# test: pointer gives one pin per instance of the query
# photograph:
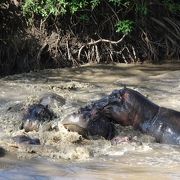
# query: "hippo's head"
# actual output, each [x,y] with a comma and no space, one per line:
[96,118]
[129,107]
[120,106]
[41,112]
[88,126]
[35,114]
[90,121]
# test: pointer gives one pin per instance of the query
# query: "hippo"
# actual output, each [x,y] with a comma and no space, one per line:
[35,115]
[99,126]
[41,112]
[24,139]
[90,122]
[128,107]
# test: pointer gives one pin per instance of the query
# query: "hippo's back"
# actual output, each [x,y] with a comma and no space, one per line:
[168,126]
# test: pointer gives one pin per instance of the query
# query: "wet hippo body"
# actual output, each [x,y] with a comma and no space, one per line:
[23,139]
[89,121]
[90,128]
[52,100]
[105,128]
[165,126]
[41,112]
[136,110]
[34,116]
[129,107]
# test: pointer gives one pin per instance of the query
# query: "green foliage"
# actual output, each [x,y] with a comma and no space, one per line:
[75,5]
[44,7]
[60,7]
[124,26]
[84,18]
[120,2]
[142,8]
[95,3]
[55,7]
[173,7]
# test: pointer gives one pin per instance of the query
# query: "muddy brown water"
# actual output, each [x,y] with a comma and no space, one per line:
[65,155]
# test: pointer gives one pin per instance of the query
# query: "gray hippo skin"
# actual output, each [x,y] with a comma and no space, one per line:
[35,115]
[23,139]
[129,107]
[136,110]
[41,112]
[89,121]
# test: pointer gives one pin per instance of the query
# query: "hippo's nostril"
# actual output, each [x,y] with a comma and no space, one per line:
[30,125]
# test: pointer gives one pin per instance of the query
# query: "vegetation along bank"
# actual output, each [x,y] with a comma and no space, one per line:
[38,34]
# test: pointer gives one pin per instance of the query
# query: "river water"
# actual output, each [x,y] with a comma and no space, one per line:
[66,155]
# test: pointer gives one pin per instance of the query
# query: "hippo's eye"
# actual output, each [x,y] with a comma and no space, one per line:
[39,112]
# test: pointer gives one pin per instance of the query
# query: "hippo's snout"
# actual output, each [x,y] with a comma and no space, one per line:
[30,125]
[88,127]
[76,122]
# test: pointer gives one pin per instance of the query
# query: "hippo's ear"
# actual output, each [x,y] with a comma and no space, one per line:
[124,94]
[124,86]
[122,91]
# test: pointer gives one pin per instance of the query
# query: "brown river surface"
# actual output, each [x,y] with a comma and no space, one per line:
[66,155]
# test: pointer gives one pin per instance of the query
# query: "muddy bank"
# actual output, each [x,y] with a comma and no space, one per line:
[40,35]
